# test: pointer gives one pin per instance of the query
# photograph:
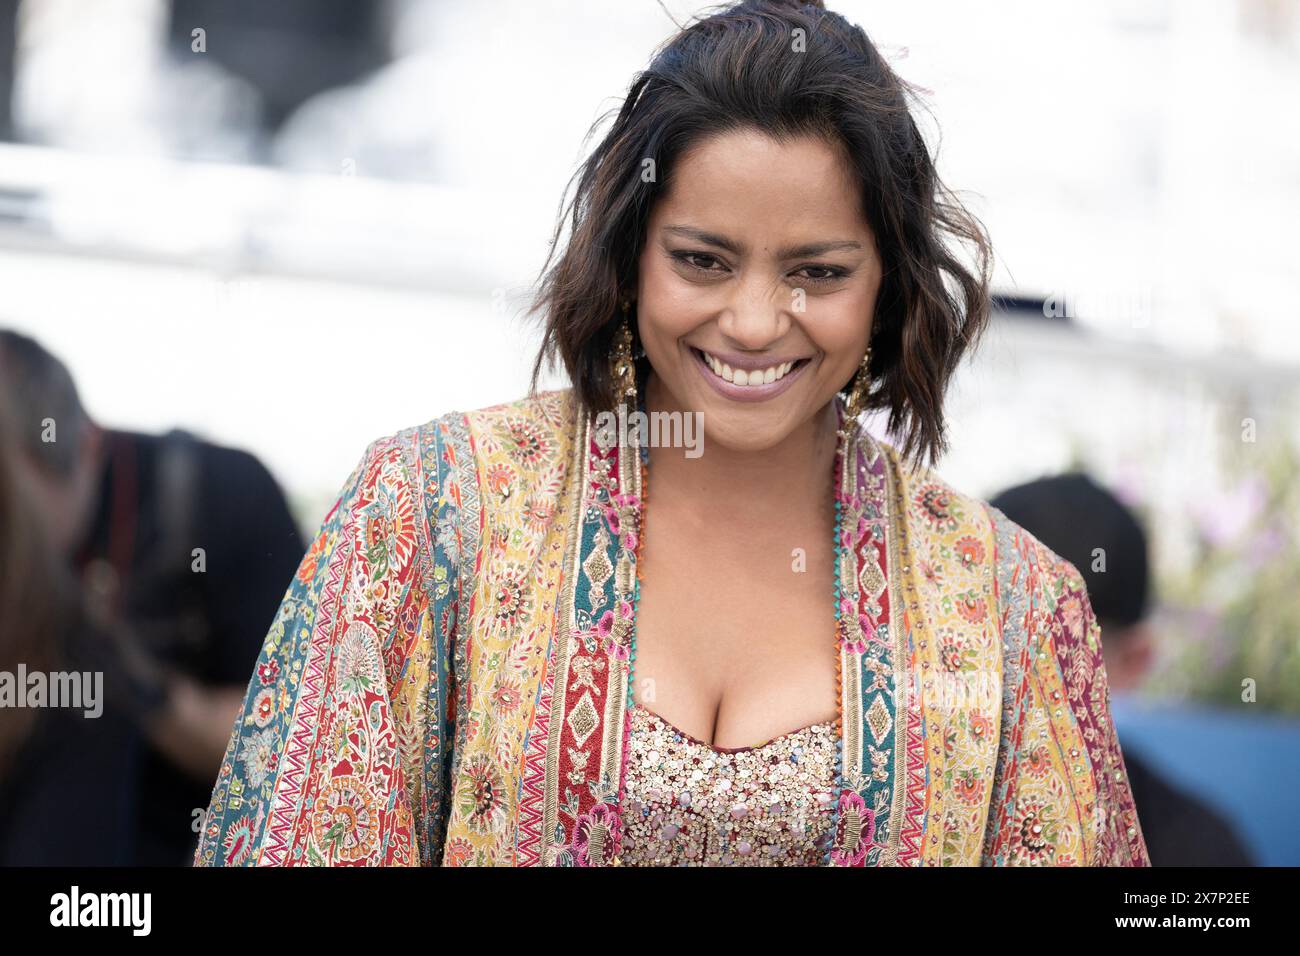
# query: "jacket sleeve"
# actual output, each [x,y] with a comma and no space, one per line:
[1061,794]
[340,756]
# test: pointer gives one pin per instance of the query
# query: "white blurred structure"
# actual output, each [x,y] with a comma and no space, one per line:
[1135,161]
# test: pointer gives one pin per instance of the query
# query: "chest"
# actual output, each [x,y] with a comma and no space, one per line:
[735,627]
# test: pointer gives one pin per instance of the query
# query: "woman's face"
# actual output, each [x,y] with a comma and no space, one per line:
[757,285]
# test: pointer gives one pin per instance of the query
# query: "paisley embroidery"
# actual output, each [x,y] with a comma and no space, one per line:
[447,677]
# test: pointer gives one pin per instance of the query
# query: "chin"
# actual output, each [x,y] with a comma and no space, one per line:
[746,432]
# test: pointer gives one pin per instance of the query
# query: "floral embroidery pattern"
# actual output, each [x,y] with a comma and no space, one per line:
[339,757]
[408,705]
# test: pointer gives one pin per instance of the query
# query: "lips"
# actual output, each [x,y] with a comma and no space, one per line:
[748,377]
[748,383]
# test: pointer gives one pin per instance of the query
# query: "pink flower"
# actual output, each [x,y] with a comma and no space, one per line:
[596,836]
[615,631]
[855,828]
[856,646]
[620,506]
[612,519]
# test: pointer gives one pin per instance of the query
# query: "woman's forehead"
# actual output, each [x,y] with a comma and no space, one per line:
[747,181]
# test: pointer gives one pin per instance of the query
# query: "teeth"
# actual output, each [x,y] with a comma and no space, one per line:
[762,376]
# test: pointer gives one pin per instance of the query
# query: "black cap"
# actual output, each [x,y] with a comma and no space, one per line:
[1074,516]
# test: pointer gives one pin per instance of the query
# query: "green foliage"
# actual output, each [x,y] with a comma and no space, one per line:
[1234,614]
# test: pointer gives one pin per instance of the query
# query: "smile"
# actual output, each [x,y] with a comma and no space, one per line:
[757,376]
[747,384]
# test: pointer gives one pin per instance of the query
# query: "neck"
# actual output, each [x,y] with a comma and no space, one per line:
[791,475]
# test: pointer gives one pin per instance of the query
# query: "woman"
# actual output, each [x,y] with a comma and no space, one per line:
[530,635]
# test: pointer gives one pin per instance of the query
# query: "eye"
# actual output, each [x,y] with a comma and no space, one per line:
[821,274]
[699,261]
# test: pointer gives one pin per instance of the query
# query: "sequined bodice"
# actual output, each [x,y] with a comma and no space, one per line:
[691,804]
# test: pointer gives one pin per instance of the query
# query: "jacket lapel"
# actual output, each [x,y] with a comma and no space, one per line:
[583,706]
[872,657]
[585,692]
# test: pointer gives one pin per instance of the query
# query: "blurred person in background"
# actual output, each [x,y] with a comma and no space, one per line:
[178,551]
[1084,523]
[67,782]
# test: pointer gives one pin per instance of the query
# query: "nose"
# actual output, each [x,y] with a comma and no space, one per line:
[757,315]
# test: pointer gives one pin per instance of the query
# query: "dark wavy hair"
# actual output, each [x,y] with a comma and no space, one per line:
[784,69]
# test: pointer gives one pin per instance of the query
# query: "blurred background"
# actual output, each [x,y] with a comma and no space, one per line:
[290,228]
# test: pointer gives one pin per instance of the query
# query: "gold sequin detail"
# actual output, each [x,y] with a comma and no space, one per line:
[690,804]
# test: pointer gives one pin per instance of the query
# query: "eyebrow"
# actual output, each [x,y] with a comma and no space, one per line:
[806,250]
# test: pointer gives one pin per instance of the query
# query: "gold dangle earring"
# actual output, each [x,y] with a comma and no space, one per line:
[856,403]
[622,369]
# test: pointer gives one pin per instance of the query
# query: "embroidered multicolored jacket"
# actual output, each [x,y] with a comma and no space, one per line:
[446,680]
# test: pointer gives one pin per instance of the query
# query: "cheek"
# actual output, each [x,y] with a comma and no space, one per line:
[842,328]
[666,307]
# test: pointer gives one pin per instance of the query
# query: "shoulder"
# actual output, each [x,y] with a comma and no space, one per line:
[533,425]
[978,535]
[528,435]
[932,502]
[551,409]
[437,478]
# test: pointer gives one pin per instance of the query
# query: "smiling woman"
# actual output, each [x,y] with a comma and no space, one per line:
[810,649]
[775,295]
